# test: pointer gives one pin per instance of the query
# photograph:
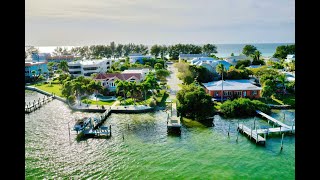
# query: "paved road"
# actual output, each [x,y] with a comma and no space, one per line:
[173,81]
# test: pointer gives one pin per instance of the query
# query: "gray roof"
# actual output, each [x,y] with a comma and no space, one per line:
[233,85]
[193,55]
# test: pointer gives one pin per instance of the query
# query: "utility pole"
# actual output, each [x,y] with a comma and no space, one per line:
[222,85]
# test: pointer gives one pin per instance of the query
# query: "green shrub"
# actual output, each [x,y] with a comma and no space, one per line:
[71,98]
[243,107]
[152,103]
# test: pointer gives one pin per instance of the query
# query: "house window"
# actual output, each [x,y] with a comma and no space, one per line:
[254,92]
[216,94]
[227,93]
[238,93]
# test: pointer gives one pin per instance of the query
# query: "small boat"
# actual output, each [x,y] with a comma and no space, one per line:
[80,124]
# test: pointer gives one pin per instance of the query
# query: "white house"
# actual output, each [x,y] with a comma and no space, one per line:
[210,63]
[143,72]
[107,80]
[201,59]
[88,67]
[290,58]
[234,59]
[189,57]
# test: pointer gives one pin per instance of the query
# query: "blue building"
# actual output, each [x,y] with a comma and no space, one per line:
[133,58]
[30,66]
[40,57]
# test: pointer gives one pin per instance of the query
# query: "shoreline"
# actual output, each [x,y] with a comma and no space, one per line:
[129,109]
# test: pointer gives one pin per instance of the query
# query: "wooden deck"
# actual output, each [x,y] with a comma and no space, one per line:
[252,134]
[273,120]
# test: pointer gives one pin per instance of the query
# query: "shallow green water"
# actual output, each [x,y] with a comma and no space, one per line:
[147,152]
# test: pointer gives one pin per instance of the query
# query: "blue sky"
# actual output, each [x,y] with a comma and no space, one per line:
[87,22]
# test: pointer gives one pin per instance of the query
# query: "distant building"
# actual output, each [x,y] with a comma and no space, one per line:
[189,57]
[133,58]
[143,72]
[210,63]
[40,57]
[290,58]
[272,59]
[58,59]
[234,59]
[88,67]
[30,66]
[254,66]
[108,79]
[232,89]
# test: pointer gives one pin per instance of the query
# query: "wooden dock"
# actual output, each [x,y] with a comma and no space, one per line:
[173,121]
[32,106]
[102,131]
[92,126]
[273,120]
[275,130]
[252,134]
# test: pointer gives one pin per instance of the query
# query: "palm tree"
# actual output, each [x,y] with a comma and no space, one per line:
[220,69]
[63,65]
[39,71]
[145,86]
[133,89]
[120,86]
[283,79]
[33,72]
[257,55]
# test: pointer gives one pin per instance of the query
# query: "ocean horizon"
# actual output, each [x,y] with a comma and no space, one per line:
[224,50]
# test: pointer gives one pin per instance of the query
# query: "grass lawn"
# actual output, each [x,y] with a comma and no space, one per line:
[160,98]
[192,123]
[288,99]
[92,102]
[130,101]
[53,88]
[217,106]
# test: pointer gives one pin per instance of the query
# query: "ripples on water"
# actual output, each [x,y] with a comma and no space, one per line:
[147,152]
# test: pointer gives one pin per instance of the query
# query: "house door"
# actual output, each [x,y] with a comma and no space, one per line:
[244,93]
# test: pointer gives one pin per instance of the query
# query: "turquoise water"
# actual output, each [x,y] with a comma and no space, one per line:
[147,152]
[267,49]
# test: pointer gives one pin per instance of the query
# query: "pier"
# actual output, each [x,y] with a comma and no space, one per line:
[272,119]
[32,106]
[254,133]
[173,121]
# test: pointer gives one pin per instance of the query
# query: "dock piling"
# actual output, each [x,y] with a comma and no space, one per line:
[282,142]
[237,136]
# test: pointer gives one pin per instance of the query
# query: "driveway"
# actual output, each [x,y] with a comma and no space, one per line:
[173,81]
